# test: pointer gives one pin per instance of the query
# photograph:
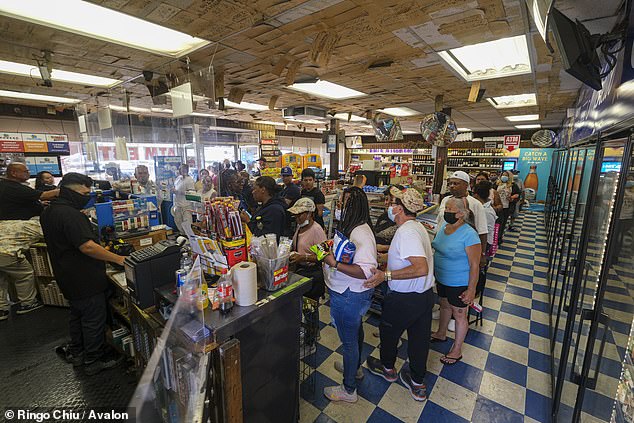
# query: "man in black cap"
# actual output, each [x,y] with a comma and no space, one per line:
[80,270]
[17,200]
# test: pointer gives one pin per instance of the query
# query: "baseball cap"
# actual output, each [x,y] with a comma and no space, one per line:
[302,205]
[459,174]
[411,199]
[286,171]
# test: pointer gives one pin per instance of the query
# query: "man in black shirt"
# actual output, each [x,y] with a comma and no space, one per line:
[17,200]
[79,266]
[311,191]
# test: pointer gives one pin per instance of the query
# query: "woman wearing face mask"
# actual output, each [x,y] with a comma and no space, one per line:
[270,218]
[385,227]
[509,194]
[456,268]
[494,196]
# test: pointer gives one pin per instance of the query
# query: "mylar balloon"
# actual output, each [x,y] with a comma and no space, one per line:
[438,129]
[544,138]
[387,129]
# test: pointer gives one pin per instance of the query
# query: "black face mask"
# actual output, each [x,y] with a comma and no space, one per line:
[450,218]
[79,201]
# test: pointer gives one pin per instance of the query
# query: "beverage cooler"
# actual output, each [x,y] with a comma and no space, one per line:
[589,217]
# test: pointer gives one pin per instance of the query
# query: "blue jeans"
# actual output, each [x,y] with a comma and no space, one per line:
[346,311]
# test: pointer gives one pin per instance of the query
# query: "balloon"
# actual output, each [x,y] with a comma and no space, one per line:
[387,129]
[438,129]
[544,138]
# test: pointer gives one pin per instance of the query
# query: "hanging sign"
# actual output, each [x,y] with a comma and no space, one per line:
[511,142]
[34,143]
[11,142]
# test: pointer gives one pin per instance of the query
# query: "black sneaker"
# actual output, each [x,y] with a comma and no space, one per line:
[4,314]
[418,392]
[106,361]
[375,366]
[63,351]
[29,308]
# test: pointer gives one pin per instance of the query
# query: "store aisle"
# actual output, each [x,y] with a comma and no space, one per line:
[505,372]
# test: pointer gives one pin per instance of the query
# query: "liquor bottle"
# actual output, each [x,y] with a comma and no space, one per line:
[532,181]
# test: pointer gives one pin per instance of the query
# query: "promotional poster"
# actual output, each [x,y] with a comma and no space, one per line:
[534,167]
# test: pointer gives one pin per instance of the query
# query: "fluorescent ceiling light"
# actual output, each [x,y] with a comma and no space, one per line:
[399,111]
[202,114]
[90,20]
[493,59]
[508,101]
[326,89]
[409,132]
[529,126]
[464,130]
[33,71]
[38,97]
[269,122]
[246,106]
[521,118]
[353,118]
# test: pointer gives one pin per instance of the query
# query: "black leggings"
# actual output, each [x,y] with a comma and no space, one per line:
[502,220]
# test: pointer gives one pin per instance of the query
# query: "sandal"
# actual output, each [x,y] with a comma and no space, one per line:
[433,340]
[444,360]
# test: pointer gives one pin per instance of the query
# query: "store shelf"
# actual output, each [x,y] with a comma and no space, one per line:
[475,168]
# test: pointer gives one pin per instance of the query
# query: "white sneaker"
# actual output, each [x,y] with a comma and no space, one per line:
[435,314]
[452,326]
[339,393]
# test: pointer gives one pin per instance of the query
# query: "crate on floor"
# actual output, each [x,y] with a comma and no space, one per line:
[40,260]
[51,294]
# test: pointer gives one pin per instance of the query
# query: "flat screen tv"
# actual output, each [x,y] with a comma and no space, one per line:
[577,48]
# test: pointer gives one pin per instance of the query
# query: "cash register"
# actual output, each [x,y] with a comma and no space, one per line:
[150,268]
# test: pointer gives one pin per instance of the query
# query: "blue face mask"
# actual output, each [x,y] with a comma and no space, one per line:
[504,179]
[390,213]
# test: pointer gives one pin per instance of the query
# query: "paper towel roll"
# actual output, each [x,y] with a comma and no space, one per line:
[245,283]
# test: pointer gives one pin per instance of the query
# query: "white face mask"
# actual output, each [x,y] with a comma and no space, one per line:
[303,224]
[338,214]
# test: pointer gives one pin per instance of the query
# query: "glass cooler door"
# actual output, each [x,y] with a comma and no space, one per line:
[586,384]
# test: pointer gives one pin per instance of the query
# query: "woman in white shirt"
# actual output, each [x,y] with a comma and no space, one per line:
[349,299]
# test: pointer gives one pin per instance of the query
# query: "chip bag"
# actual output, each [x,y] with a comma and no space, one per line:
[322,249]
[344,249]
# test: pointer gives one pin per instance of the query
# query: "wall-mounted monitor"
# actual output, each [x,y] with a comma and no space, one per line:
[610,167]
[509,164]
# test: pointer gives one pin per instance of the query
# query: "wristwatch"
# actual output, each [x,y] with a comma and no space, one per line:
[388,276]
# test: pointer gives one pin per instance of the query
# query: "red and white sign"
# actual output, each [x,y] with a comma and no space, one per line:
[511,142]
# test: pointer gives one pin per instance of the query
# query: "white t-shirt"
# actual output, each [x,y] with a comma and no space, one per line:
[491,218]
[365,257]
[181,186]
[476,208]
[410,240]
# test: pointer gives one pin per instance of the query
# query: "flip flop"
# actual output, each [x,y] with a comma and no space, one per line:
[455,360]
[434,340]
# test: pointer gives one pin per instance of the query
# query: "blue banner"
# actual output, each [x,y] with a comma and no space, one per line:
[534,166]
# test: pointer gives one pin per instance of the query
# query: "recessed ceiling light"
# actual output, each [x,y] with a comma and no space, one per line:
[521,118]
[529,126]
[353,118]
[38,97]
[33,71]
[326,89]
[493,59]
[464,130]
[246,106]
[90,20]
[399,111]
[269,122]
[508,101]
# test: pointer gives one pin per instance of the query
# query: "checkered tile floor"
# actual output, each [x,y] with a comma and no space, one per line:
[505,372]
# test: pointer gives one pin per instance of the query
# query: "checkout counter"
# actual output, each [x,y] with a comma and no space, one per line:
[207,366]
